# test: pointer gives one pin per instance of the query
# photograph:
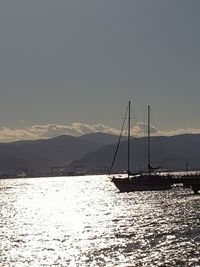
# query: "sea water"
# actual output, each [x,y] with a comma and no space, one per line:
[85,221]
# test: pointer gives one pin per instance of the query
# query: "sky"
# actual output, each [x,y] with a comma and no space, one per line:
[71,66]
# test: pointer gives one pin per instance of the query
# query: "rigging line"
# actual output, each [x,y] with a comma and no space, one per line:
[160,140]
[117,148]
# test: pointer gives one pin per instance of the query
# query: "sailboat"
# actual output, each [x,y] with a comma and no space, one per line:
[150,180]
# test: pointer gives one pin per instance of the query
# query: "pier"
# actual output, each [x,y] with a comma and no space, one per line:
[188,180]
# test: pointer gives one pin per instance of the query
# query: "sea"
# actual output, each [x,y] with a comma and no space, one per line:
[85,221]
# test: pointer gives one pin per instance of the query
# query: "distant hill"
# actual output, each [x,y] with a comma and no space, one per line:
[101,138]
[41,155]
[94,153]
[167,152]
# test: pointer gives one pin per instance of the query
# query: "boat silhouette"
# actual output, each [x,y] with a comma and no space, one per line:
[150,180]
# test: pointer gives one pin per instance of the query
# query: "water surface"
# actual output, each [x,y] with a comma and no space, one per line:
[84,221]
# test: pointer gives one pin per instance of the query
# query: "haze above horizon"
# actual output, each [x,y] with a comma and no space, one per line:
[70,67]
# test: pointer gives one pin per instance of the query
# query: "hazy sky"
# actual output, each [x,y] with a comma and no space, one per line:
[66,61]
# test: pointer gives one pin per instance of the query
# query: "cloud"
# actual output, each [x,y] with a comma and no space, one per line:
[76,129]
[178,132]
[52,130]
[142,128]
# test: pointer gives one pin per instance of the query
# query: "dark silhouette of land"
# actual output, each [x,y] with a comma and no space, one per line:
[171,153]
[93,153]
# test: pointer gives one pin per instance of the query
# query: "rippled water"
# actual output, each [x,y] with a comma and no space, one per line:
[84,221]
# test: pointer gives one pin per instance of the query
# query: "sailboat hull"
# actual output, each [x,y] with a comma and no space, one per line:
[143,183]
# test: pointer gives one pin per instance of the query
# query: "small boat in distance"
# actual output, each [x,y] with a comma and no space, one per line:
[150,180]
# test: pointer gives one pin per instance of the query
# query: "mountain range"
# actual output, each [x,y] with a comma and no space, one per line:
[172,153]
[93,153]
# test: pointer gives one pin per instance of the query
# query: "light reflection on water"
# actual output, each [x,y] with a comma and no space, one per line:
[84,221]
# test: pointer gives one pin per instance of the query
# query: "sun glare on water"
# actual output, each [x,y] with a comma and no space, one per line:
[84,221]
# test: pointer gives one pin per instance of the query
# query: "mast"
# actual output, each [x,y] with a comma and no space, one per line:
[129,130]
[148,141]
